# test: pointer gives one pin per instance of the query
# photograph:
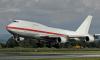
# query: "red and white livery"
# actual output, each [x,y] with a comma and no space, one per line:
[32,29]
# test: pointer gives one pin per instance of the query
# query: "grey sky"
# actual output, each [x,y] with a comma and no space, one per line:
[65,14]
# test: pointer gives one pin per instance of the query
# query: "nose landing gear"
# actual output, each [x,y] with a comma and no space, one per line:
[11,43]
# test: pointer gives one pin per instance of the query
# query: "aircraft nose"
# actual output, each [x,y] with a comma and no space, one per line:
[7,27]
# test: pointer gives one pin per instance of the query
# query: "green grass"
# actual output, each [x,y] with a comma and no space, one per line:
[48,50]
[69,59]
[30,51]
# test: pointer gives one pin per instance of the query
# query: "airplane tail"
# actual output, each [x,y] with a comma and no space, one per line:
[84,27]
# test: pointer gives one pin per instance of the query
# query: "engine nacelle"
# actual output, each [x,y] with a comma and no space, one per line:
[89,38]
[18,38]
[63,39]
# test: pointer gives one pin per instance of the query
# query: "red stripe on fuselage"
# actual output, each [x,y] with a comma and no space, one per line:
[28,29]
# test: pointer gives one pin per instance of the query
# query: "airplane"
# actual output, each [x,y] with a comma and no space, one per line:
[22,28]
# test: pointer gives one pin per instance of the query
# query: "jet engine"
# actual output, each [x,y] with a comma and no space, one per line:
[62,39]
[89,38]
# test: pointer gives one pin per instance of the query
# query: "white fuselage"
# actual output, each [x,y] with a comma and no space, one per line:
[33,29]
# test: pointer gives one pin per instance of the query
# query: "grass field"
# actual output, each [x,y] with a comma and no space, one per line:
[49,50]
[69,59]
[31,51]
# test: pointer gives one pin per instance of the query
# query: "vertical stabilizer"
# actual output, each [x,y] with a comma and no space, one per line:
[84,27]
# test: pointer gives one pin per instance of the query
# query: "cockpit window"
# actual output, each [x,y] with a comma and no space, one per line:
[15,21]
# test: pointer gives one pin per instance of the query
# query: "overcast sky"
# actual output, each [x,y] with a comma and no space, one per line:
[65,14]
